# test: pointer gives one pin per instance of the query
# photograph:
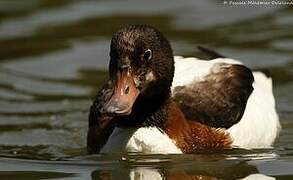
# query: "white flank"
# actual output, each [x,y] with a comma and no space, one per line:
[259,125]
[149,140]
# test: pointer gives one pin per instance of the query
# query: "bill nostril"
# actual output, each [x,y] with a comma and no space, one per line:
[126,91]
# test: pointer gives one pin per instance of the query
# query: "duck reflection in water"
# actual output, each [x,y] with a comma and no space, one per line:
[232,171]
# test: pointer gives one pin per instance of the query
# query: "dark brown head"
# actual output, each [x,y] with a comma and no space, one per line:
[141,66]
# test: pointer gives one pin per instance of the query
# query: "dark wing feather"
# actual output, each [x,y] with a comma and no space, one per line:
[219,100]
[100,126]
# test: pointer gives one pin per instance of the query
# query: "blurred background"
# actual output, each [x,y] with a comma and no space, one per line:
[54,56]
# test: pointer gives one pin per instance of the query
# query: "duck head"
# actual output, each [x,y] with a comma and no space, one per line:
[141,67]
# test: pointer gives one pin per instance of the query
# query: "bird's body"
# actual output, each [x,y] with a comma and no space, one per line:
[161,104]
[259,125]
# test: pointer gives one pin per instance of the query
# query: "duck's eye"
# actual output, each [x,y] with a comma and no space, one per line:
[147,54]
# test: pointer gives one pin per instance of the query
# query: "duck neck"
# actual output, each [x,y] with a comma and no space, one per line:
[147,112]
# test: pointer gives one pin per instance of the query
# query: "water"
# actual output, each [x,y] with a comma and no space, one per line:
[54,55]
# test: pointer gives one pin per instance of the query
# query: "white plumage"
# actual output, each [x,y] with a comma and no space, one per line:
[149,140]
[260,124]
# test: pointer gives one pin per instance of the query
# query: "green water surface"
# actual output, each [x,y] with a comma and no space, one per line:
[54,56]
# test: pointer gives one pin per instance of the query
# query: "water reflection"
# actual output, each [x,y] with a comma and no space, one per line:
[204,166]
[234,171]
[237,165]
